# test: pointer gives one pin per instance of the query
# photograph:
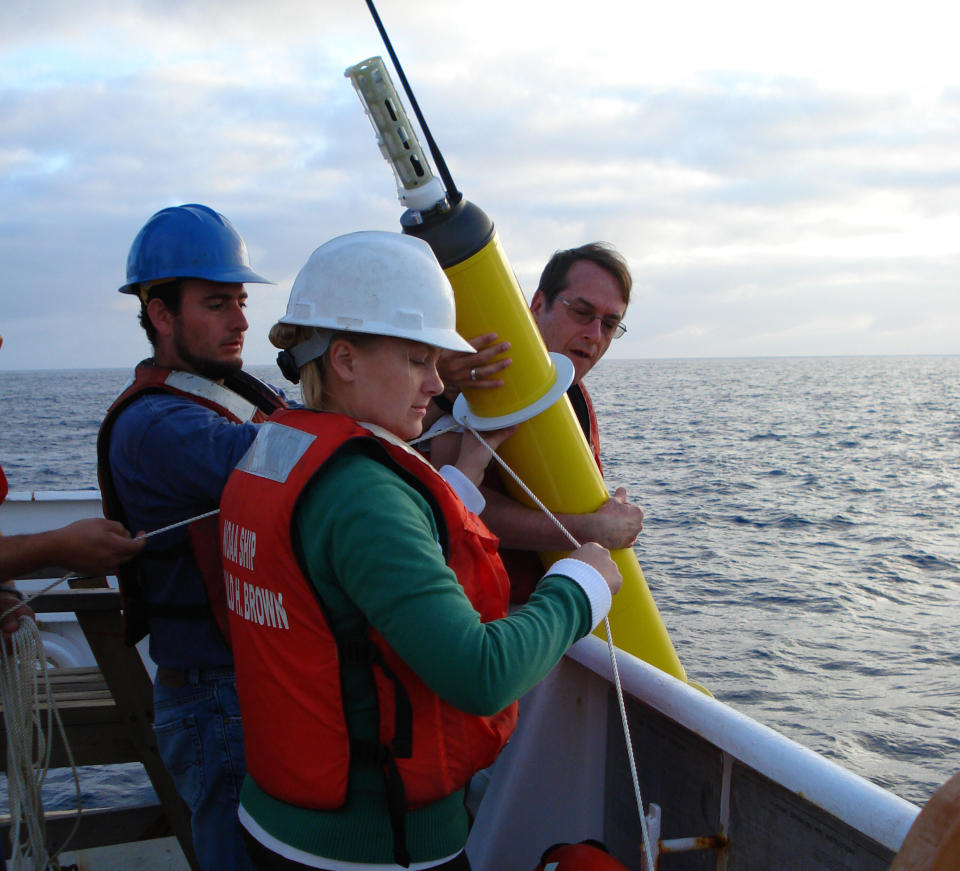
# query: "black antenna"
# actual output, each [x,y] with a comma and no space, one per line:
[453,195]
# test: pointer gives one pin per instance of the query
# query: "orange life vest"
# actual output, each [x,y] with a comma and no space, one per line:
[241,398]
[594,435]
[286,653]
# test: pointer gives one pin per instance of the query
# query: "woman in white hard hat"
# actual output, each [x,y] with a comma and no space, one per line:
[376,664]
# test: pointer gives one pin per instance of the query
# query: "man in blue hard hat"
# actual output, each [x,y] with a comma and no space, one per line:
[165,450]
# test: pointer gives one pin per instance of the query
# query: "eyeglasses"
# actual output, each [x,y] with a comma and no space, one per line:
[611,326]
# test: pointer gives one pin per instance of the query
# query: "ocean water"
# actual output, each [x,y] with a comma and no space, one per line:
[800,536]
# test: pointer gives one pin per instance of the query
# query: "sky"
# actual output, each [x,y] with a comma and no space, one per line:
[783,179]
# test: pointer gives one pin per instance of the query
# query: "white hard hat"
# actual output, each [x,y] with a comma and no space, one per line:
[386,284]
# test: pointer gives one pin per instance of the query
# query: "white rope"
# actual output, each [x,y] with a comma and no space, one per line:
[431,434]
[23,670]
[176,525]
[610,648]
[67,577]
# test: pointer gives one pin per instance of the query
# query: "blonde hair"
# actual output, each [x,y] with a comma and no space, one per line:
[284,337]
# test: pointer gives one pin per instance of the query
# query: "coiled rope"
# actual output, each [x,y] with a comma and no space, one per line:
[23,671]
[648,849]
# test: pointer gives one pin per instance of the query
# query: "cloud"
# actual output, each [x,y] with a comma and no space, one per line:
[750,167]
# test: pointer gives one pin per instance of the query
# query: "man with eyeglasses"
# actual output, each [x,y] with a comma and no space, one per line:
[578,307]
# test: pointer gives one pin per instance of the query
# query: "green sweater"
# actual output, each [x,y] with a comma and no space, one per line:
[371,545]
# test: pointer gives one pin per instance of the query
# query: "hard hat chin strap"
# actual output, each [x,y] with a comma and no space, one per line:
[294,359]
[312,348]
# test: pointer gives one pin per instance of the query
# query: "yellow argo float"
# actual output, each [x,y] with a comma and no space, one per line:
[548,452]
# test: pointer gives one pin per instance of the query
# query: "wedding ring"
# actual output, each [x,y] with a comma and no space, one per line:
[473,374]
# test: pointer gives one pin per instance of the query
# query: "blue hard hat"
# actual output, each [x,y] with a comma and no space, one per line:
[190,241]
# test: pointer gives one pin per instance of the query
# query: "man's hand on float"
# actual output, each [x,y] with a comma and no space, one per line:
[615,524]
[462,369]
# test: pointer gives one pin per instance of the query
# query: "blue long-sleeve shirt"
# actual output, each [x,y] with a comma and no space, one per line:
[170,458]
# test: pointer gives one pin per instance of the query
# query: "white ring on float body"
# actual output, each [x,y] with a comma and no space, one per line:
[565,372]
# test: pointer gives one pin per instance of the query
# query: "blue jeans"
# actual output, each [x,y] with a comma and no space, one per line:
[200,741]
